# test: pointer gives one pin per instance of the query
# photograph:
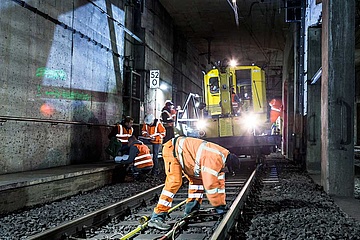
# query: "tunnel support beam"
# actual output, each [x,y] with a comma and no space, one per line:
[337,97]
[313,151]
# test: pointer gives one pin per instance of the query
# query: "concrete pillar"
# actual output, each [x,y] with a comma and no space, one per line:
[288,93]
[337,97]
[313,151]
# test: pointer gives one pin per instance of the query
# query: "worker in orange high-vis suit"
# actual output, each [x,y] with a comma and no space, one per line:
[139,156]
[153,132]
[235,100]
[202,163]
[122,131]
[276,109]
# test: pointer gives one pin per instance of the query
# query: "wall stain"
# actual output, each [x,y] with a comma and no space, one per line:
[51,73]
[64,94]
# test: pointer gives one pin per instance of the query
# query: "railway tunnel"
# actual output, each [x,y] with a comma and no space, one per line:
[73,69]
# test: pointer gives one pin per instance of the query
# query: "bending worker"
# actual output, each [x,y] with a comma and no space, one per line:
[202,163]
[139,156]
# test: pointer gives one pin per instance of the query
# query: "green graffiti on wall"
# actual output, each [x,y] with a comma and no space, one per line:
[65,94]
[51,73]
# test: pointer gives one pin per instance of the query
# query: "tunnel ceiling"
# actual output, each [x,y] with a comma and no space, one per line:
[258,38]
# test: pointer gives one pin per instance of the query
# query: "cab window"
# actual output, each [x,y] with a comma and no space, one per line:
[214,85]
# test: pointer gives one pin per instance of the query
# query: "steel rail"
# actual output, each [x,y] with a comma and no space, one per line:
[97,217]
[145,223]
[228,220]
[178,227]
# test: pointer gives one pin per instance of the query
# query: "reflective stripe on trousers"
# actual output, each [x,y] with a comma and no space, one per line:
[173,180]
[196,190]
[214,187]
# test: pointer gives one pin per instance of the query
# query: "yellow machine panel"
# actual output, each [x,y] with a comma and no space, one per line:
[235,111]
[246,82]
[225,127]
[238,129]
[212,128]
[250,85]
[212,89]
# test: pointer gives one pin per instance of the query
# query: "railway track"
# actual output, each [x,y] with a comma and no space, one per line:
[128,219]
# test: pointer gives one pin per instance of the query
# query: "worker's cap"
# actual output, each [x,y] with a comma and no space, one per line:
[149,119]
[169,102]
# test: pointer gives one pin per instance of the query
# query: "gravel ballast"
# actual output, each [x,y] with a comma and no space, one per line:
[297,208]
[292,208]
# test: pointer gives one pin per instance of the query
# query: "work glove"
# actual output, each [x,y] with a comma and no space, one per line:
[221,209]
[121,158]
[191,206]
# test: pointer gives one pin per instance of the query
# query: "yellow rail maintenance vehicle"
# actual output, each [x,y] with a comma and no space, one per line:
[235,112]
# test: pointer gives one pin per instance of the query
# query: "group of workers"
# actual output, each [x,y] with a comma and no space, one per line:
[154,132]
[203,163]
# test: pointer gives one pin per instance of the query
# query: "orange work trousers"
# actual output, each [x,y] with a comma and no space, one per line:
[173,182]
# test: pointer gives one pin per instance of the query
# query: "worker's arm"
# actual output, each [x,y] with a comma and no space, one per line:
[133,152]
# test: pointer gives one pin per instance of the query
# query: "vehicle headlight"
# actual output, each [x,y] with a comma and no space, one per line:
[251,121]
[201,124]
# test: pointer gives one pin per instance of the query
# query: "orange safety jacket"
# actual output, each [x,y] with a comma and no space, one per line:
[202,160]
[144,158]
[124,134]
[276,109]
[168,118]
[155,132]
[233,101]
[276,105]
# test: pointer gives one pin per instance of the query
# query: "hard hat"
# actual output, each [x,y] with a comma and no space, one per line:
[169,102]
[149,119]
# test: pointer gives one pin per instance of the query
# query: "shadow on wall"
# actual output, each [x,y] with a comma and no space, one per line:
[86,142]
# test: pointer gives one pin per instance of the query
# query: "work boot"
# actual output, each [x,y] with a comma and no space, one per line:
[191,207]
[159,224]
[221,210]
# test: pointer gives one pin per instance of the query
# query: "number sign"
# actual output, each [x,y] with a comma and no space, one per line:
[154,78]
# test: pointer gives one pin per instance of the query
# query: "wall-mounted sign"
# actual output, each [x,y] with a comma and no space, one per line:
[154,78]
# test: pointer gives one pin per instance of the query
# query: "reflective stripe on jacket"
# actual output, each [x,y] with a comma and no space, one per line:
[168,116]
[124,134]
[156,132]
[205,160]
[276,105]
[196,155]
[144,158]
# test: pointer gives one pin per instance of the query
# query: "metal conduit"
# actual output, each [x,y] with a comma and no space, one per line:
[52,122]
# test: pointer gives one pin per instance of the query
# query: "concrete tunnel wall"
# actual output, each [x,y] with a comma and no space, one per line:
[50,72]
[72,70]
